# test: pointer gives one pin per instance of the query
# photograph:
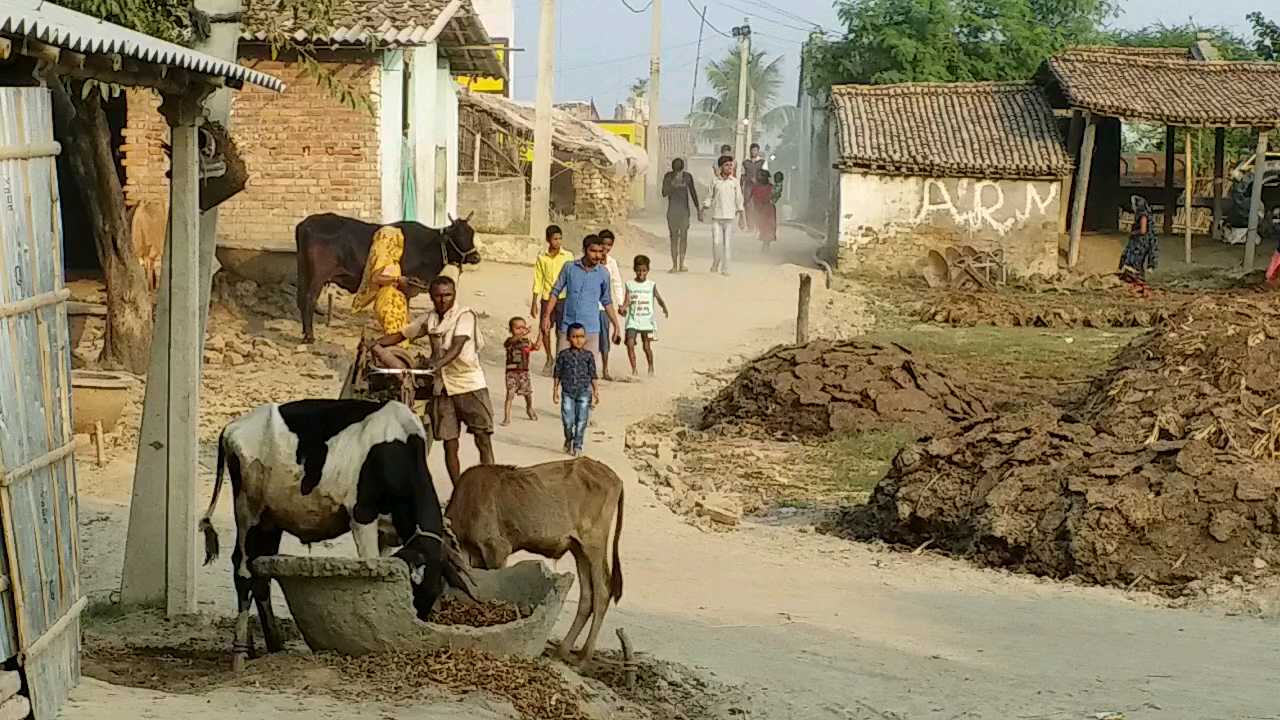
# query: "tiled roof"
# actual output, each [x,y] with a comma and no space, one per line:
[56,25]
[1164,89]
[956,129]
[385,23]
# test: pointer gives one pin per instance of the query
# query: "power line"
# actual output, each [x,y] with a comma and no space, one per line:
[609,61]
[641,10]
[705,20]
[752,14]
[784,13]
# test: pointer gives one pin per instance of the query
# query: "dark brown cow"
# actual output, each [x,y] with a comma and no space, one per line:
[333,249]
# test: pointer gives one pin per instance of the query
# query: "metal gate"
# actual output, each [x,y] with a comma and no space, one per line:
[40,602]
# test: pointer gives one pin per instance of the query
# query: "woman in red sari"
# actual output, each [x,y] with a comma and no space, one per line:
[764,211]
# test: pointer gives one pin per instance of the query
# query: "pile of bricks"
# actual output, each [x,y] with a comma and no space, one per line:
[600,197]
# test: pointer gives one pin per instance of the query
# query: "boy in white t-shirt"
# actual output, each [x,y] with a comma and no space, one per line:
[642,321]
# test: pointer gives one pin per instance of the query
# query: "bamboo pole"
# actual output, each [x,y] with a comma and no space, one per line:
[1081,190]
[802,309]
[1255,201]
[1186,199]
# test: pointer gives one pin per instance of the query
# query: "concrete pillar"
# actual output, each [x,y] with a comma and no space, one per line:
[426,118]
[391,102]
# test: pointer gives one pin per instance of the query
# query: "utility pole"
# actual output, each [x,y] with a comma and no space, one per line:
[653,192]
[743,33]
[697,61]
[750,122]
[540,183]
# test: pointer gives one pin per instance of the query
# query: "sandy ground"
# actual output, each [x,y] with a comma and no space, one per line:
[810,626]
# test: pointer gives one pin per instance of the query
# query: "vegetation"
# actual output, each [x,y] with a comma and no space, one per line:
[715,115]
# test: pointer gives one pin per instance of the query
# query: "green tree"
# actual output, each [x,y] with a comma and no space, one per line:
[1266,36]
[1232,46]
[715,115]
[892,41]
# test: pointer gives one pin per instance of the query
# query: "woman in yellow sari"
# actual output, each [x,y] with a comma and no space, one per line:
[383,285]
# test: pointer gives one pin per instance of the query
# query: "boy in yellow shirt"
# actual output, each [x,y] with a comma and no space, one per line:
[546,270]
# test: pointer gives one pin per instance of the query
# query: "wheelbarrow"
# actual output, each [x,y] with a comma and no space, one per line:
[366,381]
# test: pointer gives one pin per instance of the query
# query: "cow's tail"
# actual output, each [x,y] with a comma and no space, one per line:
[615,578]
[206,523]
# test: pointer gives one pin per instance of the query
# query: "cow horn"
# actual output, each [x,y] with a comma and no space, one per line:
[452,220]
[470,215]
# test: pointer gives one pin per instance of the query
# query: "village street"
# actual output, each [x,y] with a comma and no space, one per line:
[811,626]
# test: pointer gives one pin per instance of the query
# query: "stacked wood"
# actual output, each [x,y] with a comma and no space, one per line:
[852,386]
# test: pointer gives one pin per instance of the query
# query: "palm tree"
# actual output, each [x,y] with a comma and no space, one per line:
[714,116]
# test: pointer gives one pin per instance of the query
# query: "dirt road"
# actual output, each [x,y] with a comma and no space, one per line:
[814,627]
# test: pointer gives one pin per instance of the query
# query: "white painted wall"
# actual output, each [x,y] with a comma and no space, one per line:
[887,222]
[433,124]
[391,99]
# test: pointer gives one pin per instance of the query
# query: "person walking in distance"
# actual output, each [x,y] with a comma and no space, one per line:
[460,395]
[678,187]
[574,388]
[617,288]
[585,286]
[751,168]
[727,209]
[642,321]
[546,269]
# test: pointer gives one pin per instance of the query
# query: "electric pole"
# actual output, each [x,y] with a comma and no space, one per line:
[540,183]
[697,61]
[743,33]
[653,191]
[750,122]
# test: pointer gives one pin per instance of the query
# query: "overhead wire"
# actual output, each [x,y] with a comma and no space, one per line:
[637,11]
[784,13]
[706,21]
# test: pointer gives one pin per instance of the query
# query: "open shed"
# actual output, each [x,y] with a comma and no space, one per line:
[40,594]
[1189,88]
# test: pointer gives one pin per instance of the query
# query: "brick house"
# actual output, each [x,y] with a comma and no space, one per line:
[307,152]
[924,167]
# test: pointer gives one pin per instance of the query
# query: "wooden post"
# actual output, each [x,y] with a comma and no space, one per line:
[1081,189]
[1170,192]
[1074,135]
[802,310]
[1186,198]
[1219,172]
[1255,200]
[475,162]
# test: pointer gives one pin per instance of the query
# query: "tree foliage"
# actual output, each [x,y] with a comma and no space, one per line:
[1160,35]
[1266,36]
[715,115]
[177,21]
[892,41]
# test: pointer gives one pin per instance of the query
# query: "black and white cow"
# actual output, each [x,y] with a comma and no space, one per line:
[317,469]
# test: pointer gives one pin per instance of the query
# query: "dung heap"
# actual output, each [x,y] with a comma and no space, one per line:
[1211,372]
[1168,473]
[821,387]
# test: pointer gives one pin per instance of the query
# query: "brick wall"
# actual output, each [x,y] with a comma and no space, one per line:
[306,152]
[144,159]
[600,197]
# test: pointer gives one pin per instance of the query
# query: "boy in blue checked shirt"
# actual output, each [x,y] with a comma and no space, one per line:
[575,389]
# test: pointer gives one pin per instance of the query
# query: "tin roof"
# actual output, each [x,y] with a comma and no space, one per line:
[982,129]
[1165,88]
[385,23]
[68,29]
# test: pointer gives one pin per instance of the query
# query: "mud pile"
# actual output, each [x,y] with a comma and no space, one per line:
[823,386]
[1211,372]
[1165,475]
[1104,309]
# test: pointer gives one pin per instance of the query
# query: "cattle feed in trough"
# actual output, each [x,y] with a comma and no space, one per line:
[548,509]
[318,469]
[334,249]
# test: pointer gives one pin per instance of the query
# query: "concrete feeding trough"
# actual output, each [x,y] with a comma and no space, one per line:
[354,607]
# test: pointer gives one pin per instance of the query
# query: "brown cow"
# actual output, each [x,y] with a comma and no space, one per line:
[547,509]
[148,221]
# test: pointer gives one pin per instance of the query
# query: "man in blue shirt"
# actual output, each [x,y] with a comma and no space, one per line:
[585,283]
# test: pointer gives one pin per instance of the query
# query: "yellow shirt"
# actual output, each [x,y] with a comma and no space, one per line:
[546,270]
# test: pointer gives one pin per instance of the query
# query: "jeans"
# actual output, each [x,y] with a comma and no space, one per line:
[721,244]
[574,414]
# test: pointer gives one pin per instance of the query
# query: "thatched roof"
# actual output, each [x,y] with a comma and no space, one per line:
[1165,86]
[580,139]
[986,129]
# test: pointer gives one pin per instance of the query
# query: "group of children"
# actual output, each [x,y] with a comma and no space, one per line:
[571,363]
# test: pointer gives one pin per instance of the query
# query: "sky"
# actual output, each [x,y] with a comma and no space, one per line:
[602,47]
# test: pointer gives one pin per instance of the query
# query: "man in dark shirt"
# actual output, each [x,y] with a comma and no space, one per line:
[678,188]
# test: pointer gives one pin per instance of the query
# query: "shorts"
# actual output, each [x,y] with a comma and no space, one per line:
[556,316]
[633,333]
[519,383]
[605,333]
[450,412]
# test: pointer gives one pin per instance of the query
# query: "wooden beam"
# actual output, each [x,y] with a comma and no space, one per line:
[1255,200]
[1081,190]
[1219,173]
[1074,133]
[1170,192]
[1186,198]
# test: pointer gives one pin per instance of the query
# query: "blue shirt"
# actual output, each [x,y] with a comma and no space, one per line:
[575,369]
[587,291]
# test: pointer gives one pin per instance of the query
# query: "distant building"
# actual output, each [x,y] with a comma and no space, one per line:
[581,109]
[926,167]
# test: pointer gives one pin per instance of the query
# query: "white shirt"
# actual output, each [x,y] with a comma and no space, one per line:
[726,199]
[617,287]
[464,374]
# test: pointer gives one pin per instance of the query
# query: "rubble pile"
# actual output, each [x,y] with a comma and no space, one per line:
[851,386]
[1166,474]
[1058,310]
